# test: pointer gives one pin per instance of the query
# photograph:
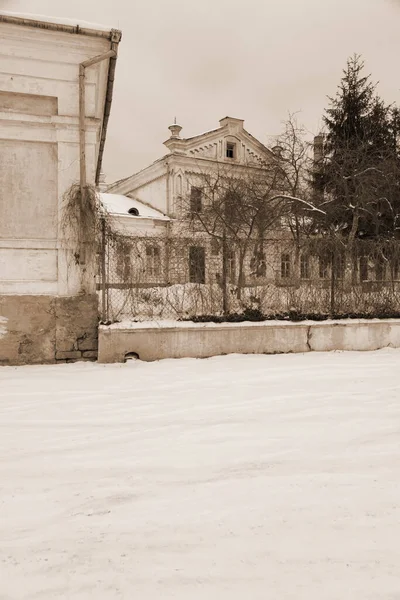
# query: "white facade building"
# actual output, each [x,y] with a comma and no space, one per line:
[174,184]
[166,181]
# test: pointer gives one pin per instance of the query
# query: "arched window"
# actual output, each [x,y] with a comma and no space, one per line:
[179,185]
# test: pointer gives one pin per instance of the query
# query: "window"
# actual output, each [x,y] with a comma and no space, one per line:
[364,268]
[323,267]
[197,264]
[285,266]
[215,247]
[230,150]
[380,269]
[340,265]
[153,261]
[231,205]
[395,268]
[304,267]
[123,265]
[258,264]
[179,185]
[196,199]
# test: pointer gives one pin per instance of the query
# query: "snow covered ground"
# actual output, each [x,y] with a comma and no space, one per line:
[237,477]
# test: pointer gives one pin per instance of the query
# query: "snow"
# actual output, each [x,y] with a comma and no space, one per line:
[3,326]
[116,204]
[260,477]
[169,323]
[57,20]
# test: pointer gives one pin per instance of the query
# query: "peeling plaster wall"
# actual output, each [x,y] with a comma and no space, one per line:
[47,329]
[39,147]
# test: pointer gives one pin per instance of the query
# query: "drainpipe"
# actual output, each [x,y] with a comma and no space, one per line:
[168,231]
[82,127]
[82,111]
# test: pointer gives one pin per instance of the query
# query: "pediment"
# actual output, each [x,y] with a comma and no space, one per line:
[222,143]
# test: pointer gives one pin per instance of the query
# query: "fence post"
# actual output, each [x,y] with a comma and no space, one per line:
[333,282]
[104,311]
[167,254]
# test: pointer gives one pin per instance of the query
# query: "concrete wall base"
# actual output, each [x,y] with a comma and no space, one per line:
[47,329]
[207,339]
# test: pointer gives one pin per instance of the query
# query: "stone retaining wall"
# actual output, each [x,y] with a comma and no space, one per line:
[201,340]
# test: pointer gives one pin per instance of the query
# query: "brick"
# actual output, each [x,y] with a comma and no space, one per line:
[73,354]
[88,343]
[90,354]
[77,321]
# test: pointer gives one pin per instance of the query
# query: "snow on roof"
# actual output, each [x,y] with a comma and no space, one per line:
[193,137]
[56,20]
[117,204]
[110,187]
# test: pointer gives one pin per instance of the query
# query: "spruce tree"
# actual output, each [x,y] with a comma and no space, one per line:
[360,173]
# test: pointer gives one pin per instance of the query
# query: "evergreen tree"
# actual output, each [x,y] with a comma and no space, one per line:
[360,173]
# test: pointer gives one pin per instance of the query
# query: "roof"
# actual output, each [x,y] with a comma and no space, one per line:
[55,23]
[78,28]
[110,187]
[119,205]
[193,137]
[210,131]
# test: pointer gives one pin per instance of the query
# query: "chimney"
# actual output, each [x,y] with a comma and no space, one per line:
[233,124]
[318,149]
[318,167]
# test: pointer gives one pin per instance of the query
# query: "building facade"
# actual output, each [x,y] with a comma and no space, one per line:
[184,268]
[51,89]
[163,184]
[174,185]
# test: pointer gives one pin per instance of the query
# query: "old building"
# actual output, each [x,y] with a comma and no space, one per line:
[55,94]
[230,240]
[181,251]
[164,183]
[174,185]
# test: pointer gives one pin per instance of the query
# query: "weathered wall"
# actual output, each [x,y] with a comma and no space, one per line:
[28,175]
[39,148]
[207,339]
[47,329]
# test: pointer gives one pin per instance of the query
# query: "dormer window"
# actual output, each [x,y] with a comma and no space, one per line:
[230,150]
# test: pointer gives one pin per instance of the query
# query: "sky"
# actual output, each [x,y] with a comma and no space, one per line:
[202,60]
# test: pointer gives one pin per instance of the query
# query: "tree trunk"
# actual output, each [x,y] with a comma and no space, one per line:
[224,279]
[297,273]
[350,273]
[241,274]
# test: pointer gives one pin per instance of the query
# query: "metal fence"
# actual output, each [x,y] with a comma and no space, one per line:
[159,278]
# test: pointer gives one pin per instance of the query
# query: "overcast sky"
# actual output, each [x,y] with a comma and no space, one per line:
[201,60]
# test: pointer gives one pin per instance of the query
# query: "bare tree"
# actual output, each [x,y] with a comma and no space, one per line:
[294,155]
[237,206]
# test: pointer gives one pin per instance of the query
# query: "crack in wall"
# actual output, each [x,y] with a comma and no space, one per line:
[309,338]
